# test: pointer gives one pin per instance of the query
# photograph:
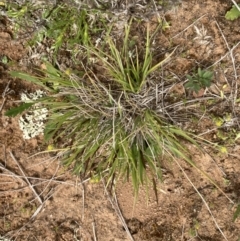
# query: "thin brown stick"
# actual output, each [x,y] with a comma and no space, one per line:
[49,182]
[94,230]
[41,206]
[182,236]
[29,183]
[200,195]
[16,232]
[224,56]
[117,210]
[5,92]
[189,26]
[5,154]
[40,179]
[229,49]
[12,174]
[83,200]
[234,89]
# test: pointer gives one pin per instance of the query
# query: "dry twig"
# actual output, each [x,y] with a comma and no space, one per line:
[234,88]
[94,230]
[50,180]
[83,200]
[204,201]
[28,182]
[117,210]
[188,26]
[4,94]
[12,174]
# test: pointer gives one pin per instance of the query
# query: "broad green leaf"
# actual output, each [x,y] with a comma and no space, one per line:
[189,77]
[233,13]
[207,75]
[200,72]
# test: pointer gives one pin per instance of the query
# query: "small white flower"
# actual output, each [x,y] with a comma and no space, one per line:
[24,97]
[4,239]
[92,60]
[29,118]
[97,42]
[32,123]
[130,54]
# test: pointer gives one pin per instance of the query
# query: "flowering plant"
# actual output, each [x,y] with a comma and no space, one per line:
[32,122]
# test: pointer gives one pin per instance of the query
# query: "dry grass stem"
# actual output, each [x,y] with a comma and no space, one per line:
[234,89]
[83,201]
[204,201]
[4,94]
[41,179]
[224,56]
[48,183]
[189,26]
[117,210]
[94,230]
[12,174]
[25,177]
[5,155]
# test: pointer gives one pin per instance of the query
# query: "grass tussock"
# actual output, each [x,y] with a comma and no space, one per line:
[114,125]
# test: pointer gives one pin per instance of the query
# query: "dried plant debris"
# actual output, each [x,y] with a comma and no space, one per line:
[202,38]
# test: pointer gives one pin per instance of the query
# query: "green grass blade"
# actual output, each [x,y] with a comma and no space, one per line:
[18,110]
[29,78]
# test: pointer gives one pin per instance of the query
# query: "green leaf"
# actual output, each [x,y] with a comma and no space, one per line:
[54,125]
[206,82]
[189,77]
[188,85]
[194,86]
[207,75]
[29,78]
[51,70]
[237,136]
[200,72]
[49,131]
[237,213]
[233,13]
[18,110]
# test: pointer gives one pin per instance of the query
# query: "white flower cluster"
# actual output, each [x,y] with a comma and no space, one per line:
[32,123]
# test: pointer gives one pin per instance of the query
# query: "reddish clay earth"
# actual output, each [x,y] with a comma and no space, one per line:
[40,200]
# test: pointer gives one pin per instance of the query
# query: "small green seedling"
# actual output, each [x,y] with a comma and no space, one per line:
[199,81]
[233,13]
[4,59]
[193,232]
[165,25]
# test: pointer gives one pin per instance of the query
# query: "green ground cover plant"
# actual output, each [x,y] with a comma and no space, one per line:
[56,26]
[112,124]
[109,123]
[233,13]
[200,80]
[71,30]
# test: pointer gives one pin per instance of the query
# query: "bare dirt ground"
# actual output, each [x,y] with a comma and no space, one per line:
[40,200]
